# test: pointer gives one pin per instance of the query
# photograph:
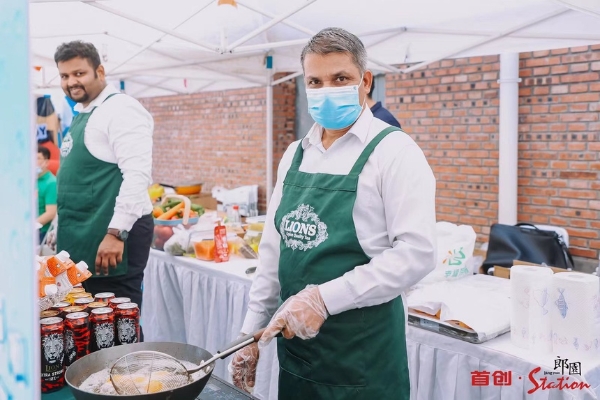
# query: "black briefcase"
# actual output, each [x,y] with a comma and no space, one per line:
[525,242]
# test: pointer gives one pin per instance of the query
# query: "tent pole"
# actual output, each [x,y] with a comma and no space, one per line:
[508,139]
[269,123]
[286,78]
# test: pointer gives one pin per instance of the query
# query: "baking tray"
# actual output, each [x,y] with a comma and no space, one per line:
[450,330]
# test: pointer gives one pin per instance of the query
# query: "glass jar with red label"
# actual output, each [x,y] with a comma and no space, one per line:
[77,336]
[104,297]
[95,304]
[49,314]
[118,300]
[61,306]
[84,303]
[128,323]
[102,329]
[72,309]
[52,344]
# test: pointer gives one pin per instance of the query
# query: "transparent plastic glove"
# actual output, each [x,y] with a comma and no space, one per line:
[243,367]
[301,315]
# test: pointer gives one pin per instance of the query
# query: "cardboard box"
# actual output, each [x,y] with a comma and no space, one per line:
[205,200]
[482,254]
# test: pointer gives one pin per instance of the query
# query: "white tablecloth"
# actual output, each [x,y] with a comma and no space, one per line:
[204,304]
[199,303]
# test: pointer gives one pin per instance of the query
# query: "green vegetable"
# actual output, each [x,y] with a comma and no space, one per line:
[172,203]
[198,209]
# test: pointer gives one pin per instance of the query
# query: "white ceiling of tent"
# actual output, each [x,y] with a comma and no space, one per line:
[187,46]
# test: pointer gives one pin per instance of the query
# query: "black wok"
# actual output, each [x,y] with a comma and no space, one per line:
[81,369]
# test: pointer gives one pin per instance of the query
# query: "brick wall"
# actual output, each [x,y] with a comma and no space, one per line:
[559,143]
[451,110]
[218,138]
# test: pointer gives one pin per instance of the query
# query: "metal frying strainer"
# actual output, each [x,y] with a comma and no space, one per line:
[144,372]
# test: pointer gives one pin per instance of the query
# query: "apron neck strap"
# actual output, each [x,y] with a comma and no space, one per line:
[103,101]
[297,158]
[362,159]
[364,156]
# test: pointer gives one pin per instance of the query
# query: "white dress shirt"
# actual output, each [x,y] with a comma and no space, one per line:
[120,132]
[394,215]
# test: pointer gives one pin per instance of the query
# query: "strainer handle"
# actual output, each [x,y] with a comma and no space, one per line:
[231,348]
[255,336]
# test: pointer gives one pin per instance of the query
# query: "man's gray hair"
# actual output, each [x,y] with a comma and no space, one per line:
[337,40]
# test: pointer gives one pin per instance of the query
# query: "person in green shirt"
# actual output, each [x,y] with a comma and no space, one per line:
[46,185]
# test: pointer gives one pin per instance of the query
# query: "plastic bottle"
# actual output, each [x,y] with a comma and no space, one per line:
[221,245]
[235,219]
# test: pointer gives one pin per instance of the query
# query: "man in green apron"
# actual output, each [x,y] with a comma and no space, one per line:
[104,211]
[350,226]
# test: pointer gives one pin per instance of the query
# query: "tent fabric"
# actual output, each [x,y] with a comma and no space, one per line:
[187,46]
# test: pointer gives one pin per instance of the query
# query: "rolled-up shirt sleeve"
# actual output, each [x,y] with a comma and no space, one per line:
[408,193]
[130,137]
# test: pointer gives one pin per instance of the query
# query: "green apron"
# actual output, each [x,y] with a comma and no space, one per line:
[360,353]
[87,191]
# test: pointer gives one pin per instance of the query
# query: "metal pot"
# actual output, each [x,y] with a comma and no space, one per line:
[186,188]
[81,369]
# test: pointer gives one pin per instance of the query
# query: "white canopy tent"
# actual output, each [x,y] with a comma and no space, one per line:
[186,46]
[161,48]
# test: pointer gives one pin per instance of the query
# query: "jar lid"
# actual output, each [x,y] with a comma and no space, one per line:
[127,306]
[103,310]
[77,315]
[51,321]
[104,294]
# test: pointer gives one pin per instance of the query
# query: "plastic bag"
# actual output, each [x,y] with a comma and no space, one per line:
[48,245]
[177,244]
[455,245]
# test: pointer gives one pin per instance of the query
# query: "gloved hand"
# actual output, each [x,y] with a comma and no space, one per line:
[243,367]
[301,315]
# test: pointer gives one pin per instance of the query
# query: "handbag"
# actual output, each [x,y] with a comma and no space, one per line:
[525,242]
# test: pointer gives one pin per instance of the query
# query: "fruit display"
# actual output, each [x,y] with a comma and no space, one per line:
[155,192]
[254,234]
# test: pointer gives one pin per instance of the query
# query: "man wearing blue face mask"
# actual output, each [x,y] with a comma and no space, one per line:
[350,226]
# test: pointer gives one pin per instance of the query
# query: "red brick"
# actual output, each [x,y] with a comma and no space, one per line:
[577,194]
[581,97]
[559,69]
[579,49]
[590,76]
[576,68]
[586,253]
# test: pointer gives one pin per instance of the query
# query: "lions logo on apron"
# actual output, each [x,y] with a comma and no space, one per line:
[302,229]
[67,145]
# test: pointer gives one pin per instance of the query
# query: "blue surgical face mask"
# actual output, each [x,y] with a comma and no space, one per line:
[334,107]
[39,170]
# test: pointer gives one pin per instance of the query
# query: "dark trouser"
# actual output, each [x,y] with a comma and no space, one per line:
[130,284]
